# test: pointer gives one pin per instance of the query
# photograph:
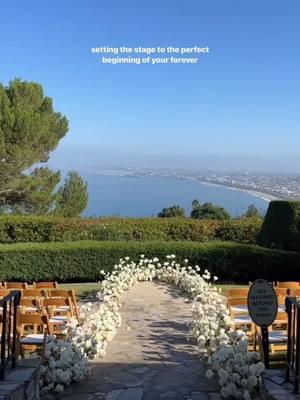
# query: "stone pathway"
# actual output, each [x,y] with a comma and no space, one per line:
[276,386]
[150,357]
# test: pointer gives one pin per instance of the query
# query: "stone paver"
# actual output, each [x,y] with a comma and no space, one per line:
[276,387]
[150,358]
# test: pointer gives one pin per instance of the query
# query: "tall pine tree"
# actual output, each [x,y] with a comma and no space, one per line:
[29,130]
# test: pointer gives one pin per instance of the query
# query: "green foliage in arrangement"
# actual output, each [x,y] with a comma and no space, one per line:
[208,211]
[15,229]
[83,261]
[72,197]
[171,212]
[281,226]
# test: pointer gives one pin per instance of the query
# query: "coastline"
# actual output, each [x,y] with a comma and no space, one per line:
[264,196]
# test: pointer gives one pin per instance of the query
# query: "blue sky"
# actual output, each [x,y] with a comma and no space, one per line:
[238,108]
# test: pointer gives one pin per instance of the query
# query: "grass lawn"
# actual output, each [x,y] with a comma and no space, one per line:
[84,289]
[81,289]
[225,287]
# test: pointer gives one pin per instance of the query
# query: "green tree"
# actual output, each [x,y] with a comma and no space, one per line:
[72,197]
[171,212]
[40,195]
[29,130]
[208,211]
[252,212]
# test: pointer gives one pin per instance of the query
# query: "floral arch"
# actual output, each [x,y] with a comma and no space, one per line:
[223,349]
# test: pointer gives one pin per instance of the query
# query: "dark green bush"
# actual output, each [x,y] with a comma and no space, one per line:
[16,229]
[281,226]
[83,260]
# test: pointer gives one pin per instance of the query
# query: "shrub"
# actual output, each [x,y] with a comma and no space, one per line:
[83,260]
[281,226]
[16,229]
[243,230]
[208,211]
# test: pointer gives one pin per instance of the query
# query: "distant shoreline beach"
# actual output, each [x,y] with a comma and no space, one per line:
[264,196]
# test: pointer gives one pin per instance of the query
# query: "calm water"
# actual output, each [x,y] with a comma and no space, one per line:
[145,197]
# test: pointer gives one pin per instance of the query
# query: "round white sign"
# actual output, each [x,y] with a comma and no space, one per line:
[262,303]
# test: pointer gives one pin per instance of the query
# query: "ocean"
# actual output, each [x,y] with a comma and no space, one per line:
[145,197]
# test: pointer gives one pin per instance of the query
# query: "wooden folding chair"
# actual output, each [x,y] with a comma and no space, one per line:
[277,334]
[238,309]
[45,285]
[59,310]
[66,294]
[15,285]
[33,330]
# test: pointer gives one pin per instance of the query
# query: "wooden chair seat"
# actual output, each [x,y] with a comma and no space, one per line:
[33,338]
[278,337]
[243,319]
[240,309]
[58,319]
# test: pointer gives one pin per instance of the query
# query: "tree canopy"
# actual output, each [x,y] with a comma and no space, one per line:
[72,197]
[29,130]
[252,212]
[208,211]
[171,212]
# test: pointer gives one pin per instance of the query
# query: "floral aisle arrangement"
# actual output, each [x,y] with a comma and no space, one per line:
[220,346]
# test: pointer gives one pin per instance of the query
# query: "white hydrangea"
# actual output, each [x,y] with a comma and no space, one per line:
[220,346]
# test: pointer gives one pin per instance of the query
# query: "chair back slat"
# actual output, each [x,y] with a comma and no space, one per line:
[33,293]
[15,285]
[30,306]
[282,291]
[288,285]
[45,285]
[4,292]
[238,292]
[36,321]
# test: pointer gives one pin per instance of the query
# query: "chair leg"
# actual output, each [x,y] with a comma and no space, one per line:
[44,345]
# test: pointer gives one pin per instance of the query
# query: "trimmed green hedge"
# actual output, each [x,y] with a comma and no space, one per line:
[281,227]
[17,229]
[82,261]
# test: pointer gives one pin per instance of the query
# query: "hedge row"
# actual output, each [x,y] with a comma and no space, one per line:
[83,260]
[281,227]
[16,229]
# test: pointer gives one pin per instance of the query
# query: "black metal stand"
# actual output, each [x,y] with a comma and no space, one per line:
[265,346]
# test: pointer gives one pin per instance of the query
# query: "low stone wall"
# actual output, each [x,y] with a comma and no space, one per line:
[22,383]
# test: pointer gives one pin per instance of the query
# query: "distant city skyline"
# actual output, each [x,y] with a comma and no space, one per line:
[237,109]
[66,158]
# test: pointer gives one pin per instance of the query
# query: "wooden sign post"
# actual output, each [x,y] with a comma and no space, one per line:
[263,308]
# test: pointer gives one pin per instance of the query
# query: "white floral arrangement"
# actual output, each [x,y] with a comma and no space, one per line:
[224,349]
